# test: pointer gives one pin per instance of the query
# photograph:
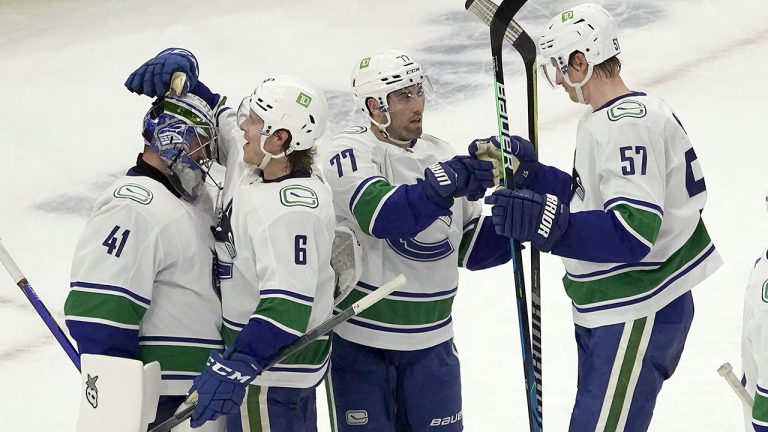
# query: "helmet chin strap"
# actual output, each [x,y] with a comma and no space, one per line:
[383,129]
[578,86]
[269,156]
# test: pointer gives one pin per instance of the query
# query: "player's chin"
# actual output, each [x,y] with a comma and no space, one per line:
[414,130]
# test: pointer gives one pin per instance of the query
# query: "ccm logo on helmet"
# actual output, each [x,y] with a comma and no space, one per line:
[410,71]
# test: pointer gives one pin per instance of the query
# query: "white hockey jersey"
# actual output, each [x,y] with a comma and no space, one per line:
[142,281]
[365,175]
[274,247]
[633,157]
[754,345]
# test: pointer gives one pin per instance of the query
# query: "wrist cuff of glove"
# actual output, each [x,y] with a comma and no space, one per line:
[553,224]
[203,92]
[434,197]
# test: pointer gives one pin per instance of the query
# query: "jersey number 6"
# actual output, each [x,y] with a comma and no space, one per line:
[300,254]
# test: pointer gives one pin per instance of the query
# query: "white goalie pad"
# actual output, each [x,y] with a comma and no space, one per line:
[346,260]
[117,394]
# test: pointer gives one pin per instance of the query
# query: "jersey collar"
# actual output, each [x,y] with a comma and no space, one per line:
[285,177]
[146,170]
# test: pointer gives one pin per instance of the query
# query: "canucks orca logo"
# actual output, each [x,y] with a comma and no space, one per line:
[223,233]
[91,392]
[577,188]
[423,247]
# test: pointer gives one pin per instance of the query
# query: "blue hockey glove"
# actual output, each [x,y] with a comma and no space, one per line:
[153,78]
[214,100]
[458,177]
[522,149]
[527,216]
[221,386]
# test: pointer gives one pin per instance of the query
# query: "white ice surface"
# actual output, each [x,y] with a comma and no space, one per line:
[69,126]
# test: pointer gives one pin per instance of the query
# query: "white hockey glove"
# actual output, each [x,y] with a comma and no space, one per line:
[346,260]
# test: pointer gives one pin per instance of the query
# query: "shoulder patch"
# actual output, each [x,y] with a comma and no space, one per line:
[297,195]
[134,192]
[355,130]
[628,108]
[765,291]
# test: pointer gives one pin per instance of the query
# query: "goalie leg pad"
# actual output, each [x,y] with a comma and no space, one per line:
[117,394]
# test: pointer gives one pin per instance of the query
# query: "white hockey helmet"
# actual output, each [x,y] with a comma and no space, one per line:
[381,74]
[290,103]
[587,28]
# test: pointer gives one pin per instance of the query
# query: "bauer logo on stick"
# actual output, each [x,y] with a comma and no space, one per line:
[91,392]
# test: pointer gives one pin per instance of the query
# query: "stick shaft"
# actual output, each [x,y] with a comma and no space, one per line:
[296,346]
[38,305]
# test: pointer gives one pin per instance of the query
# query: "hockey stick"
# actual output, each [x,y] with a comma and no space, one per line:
[500,28]
[301,343]
[50,322]
[726,371]
[522,42]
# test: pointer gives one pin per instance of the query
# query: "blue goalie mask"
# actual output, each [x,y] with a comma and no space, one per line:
[181,131]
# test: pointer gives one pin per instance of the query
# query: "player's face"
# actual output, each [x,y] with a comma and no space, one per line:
[252,126]
[568,89]
[406,108]
[575,76]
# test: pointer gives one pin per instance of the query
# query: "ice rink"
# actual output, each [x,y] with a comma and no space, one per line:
[69,128]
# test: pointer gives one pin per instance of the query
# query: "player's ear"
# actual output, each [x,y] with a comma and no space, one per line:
[580,62]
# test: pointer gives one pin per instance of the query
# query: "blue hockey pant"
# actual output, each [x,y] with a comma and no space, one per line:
[372,389]
[622,368]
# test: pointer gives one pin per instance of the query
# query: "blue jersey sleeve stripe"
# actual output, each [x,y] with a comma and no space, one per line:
[616,269]
[233,324]
[360,188]
[634,202]
[103,339]
[111,288]
[763,392]
[387,329]
[279,292]
[178,377]
[262,338]
[286,368]
[369,287]
[212,343]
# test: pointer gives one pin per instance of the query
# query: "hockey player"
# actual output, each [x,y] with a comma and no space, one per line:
[274,248]
[142,282]
[412,203]
[627,223]
[754,345]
